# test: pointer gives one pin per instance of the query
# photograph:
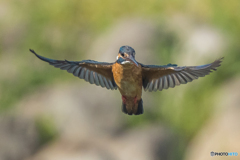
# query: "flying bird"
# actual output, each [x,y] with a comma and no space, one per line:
[130,76]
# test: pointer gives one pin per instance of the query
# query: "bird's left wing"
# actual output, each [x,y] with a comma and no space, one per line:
[99,73]
[162,77]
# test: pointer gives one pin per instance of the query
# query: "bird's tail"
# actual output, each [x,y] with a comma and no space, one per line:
[139,109]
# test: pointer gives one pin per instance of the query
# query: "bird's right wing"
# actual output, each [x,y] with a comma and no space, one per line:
[99,73]
[162,77]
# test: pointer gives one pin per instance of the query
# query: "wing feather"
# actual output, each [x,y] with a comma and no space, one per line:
[162,77]
[160,88]
[99,73]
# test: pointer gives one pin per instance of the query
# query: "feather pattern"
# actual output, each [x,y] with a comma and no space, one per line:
[96,81]
[150,86]
[82,74]
[86,77]
[160,84]
[170,80]
[106,83]
[165,85]
[101,80]
[162,77]
[91,80]
[99,73]
[155,85]
[175,79]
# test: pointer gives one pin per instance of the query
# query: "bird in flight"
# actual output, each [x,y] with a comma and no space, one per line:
[130,76]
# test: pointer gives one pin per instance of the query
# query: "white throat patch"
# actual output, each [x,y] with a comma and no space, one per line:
[126,62]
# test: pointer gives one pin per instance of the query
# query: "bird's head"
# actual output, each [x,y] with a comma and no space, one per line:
[126,56]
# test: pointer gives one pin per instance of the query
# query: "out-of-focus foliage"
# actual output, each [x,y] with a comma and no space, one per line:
[61,28]
[46,129]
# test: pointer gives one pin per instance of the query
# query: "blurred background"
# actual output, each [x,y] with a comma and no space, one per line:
[48,114]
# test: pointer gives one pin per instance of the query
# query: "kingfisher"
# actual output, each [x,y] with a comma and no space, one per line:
[130,77]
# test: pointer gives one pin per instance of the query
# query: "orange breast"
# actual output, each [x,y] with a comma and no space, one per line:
[128,79]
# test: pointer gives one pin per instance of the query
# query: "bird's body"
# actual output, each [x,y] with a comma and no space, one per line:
[129,81]
[130,76]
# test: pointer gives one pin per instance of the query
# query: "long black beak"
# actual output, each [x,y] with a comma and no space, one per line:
[131,58]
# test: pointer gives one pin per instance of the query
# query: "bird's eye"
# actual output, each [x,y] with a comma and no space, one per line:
[122,54]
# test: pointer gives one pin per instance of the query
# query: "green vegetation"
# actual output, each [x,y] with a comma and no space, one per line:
[46,130]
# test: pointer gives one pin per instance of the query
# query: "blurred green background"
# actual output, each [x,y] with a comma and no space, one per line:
[61,29]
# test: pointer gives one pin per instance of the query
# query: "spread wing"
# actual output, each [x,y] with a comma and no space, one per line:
[162,77]
[99,73]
